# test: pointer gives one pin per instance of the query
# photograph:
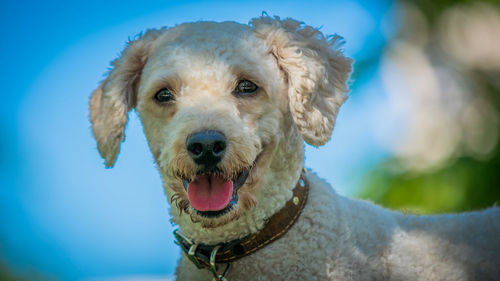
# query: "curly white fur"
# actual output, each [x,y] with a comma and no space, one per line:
[302,76]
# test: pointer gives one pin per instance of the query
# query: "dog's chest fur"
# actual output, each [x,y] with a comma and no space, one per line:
[337,238]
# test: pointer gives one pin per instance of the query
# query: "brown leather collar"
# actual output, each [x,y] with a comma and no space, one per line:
[208,256]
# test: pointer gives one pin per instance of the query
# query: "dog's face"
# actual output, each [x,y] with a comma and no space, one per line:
[217,102]
[209,103]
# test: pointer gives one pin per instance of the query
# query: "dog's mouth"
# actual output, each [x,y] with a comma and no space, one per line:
[212,193]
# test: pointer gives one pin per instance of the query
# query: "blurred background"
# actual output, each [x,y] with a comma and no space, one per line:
[419,133]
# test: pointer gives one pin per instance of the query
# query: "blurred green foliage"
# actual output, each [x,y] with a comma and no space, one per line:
[8,274]
[464,185]
[461,184]
[433,9]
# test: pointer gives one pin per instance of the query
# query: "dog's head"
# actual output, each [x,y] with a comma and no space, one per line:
[224,106]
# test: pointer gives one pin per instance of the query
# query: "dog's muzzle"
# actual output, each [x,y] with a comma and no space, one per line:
[211,193]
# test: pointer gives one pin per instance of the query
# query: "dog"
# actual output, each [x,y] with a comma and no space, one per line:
[226,108]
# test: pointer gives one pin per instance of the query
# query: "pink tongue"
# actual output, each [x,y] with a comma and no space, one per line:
[209,193]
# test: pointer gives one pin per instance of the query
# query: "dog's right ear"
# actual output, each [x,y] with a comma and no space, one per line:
[116,95]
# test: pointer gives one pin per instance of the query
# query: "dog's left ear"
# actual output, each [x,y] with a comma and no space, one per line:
[316,70]
[116,96]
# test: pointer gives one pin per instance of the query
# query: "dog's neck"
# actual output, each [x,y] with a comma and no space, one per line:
[276,185]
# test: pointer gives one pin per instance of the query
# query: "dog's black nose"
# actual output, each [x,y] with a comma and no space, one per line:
[206,147]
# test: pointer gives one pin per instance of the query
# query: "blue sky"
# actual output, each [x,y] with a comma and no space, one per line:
[62,214]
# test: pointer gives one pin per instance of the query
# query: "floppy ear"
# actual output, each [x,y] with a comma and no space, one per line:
[116,96]
[316,70]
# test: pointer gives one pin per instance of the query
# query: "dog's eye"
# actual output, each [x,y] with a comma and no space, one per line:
[246,87]
[164,95]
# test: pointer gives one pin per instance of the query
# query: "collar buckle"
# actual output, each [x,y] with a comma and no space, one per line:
[189,248]
[197,258]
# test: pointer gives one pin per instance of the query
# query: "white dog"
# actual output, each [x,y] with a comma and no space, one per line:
[226,108]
